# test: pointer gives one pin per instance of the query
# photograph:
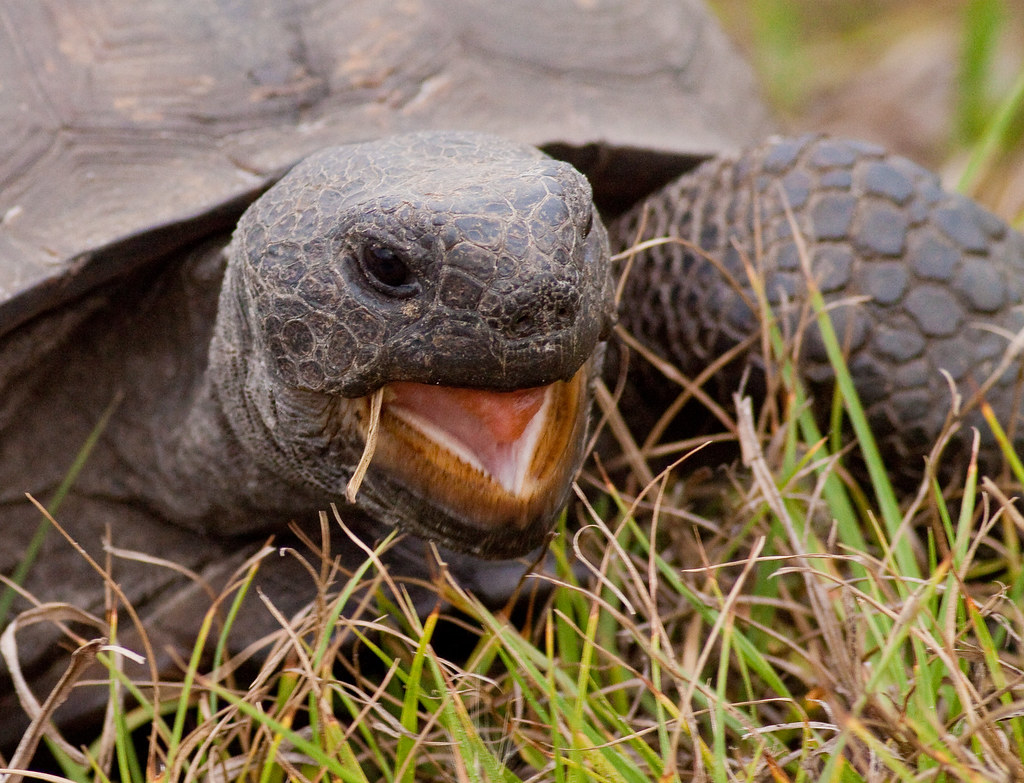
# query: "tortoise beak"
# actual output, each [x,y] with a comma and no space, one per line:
[499,465]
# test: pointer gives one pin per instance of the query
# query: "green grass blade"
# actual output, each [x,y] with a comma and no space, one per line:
[31,552]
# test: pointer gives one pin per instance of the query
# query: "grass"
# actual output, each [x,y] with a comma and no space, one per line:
[773,621]
[782,625]
[795,634]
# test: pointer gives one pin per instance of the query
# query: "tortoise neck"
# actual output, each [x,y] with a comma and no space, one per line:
[219,466]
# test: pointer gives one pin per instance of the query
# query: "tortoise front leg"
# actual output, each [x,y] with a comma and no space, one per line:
[925,281]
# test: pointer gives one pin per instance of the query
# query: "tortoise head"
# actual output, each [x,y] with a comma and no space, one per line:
[465,276]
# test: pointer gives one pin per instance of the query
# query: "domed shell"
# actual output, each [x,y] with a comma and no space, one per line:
[128,129]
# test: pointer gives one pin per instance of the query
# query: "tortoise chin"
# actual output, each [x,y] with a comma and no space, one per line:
[488,471]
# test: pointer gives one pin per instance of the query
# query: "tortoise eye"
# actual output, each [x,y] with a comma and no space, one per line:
[387,270]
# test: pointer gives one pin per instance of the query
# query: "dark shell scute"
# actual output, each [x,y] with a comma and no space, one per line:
[833,153]
[885,281]
[961,224]
[832,215]
[932,258]
[781,155]
[980,283]
[797,187]
[935,309]
[833,265]
[839,178]
[884,179]
[900,345]
[882,231]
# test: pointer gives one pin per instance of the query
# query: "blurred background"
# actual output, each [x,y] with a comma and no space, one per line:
[941,81]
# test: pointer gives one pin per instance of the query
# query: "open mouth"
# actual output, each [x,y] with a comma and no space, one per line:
[491,460]
[494,432]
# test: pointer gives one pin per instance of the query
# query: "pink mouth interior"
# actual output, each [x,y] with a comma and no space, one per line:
[491,426]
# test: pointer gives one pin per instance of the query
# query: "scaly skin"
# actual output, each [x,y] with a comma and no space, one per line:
[448,259]
[943,281]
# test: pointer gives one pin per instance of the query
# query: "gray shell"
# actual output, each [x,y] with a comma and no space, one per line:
[130,128]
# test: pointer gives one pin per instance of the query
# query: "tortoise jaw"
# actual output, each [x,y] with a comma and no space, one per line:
[498,465]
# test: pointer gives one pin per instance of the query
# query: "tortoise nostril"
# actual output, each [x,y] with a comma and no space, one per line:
[538,317]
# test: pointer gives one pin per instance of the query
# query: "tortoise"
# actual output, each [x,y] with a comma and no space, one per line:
[425,273]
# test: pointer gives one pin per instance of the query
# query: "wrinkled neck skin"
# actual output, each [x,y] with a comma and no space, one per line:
[226,471]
